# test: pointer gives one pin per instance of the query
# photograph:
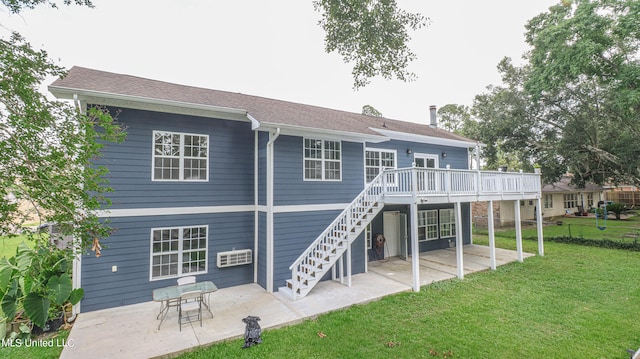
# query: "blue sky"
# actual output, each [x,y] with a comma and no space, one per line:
[275,48]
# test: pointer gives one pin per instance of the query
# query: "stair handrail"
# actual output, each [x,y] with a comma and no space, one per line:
[377,184]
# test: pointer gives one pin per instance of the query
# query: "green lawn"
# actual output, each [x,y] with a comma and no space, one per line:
[625,230]
[576,302]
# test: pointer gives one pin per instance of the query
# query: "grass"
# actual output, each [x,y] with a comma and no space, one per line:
[626,230]
[46,347]
[576,302]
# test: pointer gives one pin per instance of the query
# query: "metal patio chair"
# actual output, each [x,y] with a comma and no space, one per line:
[190,302]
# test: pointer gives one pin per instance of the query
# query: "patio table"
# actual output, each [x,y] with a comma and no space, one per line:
[167,294]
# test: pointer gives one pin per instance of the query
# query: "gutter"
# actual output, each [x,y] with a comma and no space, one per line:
[273,136]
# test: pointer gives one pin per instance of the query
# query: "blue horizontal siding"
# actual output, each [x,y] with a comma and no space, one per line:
[290,188]
[129,249]
[231,163]
[292,238]
[457,157]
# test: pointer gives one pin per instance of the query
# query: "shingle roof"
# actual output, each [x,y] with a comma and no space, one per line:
[265,110]
[564,185]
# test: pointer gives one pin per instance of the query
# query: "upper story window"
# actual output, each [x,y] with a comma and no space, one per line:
[376,161]
[322,160]
[180,156]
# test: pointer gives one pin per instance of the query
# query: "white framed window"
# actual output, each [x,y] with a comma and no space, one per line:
[368,236]
[322,160]
[180,156]
[548,201]
[177,251]
[589,200]
[427,225]
[447,223]
[378,160]
[570,200]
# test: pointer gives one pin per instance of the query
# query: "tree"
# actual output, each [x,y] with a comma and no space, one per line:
[372,34]
[47,148]
[50,147]
[585,71]
[455,118]
[575,106]
[504,116]
[371,111]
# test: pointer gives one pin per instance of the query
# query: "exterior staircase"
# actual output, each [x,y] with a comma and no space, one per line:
[333,242]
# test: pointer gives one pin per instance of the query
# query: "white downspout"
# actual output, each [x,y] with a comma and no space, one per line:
[255,210]
[270,233]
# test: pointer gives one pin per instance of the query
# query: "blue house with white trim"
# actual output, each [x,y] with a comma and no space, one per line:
[239,189]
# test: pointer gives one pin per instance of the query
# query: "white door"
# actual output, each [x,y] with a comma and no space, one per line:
[391,225]
[427,181]
[395,232]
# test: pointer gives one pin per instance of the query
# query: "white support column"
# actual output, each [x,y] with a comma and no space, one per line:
[516,210]
[539,229]
[349,265]
[492,236]
[415,248]
[459,251]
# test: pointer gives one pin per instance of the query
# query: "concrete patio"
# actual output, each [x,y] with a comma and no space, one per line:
[132,331]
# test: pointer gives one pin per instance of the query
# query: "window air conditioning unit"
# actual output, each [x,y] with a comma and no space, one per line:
[234,258]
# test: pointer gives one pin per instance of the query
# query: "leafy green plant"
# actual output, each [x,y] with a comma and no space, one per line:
[37,281]
[617,208]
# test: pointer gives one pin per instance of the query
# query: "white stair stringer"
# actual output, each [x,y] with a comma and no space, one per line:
[331,244]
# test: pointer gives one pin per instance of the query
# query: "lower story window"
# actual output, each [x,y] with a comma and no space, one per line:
[178,251]
[428,225]
[570,200]
[447,223]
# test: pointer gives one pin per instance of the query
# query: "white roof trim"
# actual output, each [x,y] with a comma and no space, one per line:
[321,133]
[403,136]
[153,104]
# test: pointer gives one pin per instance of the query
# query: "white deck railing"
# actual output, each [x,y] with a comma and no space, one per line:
[436,181]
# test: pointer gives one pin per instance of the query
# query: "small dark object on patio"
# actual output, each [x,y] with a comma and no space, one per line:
[252,332]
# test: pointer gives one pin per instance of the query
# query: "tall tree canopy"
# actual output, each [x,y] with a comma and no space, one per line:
[576,105]
[46,146]
[371,34]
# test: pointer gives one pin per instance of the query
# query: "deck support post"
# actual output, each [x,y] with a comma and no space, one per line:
[349,265]
[516,210]
[539,228]
[492,236]
[415,247]
[459,244]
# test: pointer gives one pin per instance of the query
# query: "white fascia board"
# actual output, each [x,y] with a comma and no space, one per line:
[323,134]
[153,104]
[403,136]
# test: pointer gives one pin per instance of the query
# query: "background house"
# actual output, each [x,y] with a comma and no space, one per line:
[558,199]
